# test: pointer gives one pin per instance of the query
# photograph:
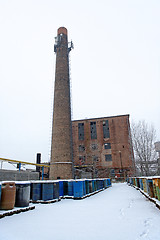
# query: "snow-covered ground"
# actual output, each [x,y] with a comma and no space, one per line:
[118,213]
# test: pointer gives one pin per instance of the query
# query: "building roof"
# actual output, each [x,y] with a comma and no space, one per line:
[100,118]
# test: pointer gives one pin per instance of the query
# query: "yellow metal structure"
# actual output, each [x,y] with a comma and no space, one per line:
[22,162]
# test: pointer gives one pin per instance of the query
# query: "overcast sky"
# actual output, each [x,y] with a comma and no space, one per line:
[115,66]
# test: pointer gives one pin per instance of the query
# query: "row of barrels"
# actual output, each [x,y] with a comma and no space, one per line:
[150,185]
[19,194]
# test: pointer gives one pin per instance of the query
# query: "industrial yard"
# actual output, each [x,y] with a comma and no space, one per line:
[94,173]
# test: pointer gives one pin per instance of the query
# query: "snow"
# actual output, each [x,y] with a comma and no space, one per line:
[118,213]
[16,182]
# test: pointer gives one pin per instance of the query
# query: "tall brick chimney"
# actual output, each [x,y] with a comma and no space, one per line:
[61,166]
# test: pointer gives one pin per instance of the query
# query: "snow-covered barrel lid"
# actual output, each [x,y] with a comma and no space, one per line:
[22,182]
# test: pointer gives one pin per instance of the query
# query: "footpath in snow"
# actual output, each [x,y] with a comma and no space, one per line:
[118,213]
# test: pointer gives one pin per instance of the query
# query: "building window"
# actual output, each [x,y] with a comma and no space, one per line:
[81,148]
[94,146]
[108,157]
[95,158]
[112,173]
[106,129]
[82,159]
[93,130]
[81,131]
[107,146]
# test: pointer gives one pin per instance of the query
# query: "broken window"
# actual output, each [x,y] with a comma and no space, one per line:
[94,146]
[81,148]
[81,131]
[93,130]
[112,173]
[107,146]
[82,159]
[95,158]
[108,157]
[106,129]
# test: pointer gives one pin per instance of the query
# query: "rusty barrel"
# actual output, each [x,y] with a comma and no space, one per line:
[8,194]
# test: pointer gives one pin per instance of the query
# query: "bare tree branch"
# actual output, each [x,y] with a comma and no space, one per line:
[143,138]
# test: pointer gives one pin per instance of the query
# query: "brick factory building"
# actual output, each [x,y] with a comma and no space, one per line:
[102,147]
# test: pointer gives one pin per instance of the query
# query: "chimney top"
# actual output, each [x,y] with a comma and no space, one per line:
[62,30]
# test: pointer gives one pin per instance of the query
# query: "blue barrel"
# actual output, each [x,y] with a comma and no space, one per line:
[70,188]
[87,186]
[90,186]
[78,189]
[108,182]
[47,191]
[61,192]
[131,181]
[22,194]
[141,183]
[93,186]
[147,183]
[98,184]
[84,188]
[36,191]
[136,182]
[56,190]
[102,183]
[65,187]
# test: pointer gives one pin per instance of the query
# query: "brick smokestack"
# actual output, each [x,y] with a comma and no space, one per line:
[61,165]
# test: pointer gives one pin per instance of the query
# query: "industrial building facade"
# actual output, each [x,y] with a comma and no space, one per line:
[98,147]
[102,147]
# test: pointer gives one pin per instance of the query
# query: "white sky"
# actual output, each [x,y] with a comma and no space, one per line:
[115,66]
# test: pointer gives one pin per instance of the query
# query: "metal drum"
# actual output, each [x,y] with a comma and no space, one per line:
[150,187]
[47,191]
[78,189]
[8,195]
[36,190]
[84,188]
[61,192]
[65,187]
[90,186]
[87,186]
[55,190]
[70,188]
[22,194]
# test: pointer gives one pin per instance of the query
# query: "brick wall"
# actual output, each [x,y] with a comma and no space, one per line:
[104,156]
[61,149]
